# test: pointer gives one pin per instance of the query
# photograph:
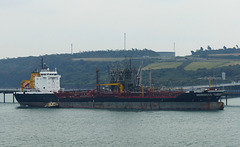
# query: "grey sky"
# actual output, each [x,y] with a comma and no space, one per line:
[38,27]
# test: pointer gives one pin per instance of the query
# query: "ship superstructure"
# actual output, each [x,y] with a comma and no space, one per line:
[43,81]
[47,81]
[39,90]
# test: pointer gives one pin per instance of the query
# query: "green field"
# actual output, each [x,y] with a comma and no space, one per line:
[195,65]
[211,64]
[109,59]
[229,54]
[98,59]
[208,64]
[162,65]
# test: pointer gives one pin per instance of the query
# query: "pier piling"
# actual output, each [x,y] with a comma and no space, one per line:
[13,97]
[226,99]
[8,91]
[3,97]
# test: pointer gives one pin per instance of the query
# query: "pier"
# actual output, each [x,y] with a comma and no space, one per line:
[231,90]
[226,94]
[8,91]
[230,94]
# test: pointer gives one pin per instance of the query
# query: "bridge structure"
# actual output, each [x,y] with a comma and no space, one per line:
[8,91]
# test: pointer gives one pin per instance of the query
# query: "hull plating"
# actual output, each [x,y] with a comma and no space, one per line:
[40,100]
[35,100]
[136,105]
[146,105]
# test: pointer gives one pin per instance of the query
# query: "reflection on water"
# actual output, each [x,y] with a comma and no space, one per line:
[94,127]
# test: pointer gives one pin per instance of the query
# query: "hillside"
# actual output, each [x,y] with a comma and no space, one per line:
[78,70]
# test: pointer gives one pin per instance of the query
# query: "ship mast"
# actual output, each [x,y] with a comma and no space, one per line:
[42,63]
[97,79]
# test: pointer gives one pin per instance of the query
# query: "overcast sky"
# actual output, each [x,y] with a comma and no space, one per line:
[39,27]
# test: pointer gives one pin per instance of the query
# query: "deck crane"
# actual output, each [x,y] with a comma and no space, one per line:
[113,84]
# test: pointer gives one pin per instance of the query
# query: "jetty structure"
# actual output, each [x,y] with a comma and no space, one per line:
[8,91]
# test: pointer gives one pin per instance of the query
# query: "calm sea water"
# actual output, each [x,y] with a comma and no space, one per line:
[91,127]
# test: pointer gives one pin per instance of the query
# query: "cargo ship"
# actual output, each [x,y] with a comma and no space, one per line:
[126,93]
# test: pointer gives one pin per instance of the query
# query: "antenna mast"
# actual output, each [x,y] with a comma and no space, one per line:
[174,46]
[174,49]
[124,41]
